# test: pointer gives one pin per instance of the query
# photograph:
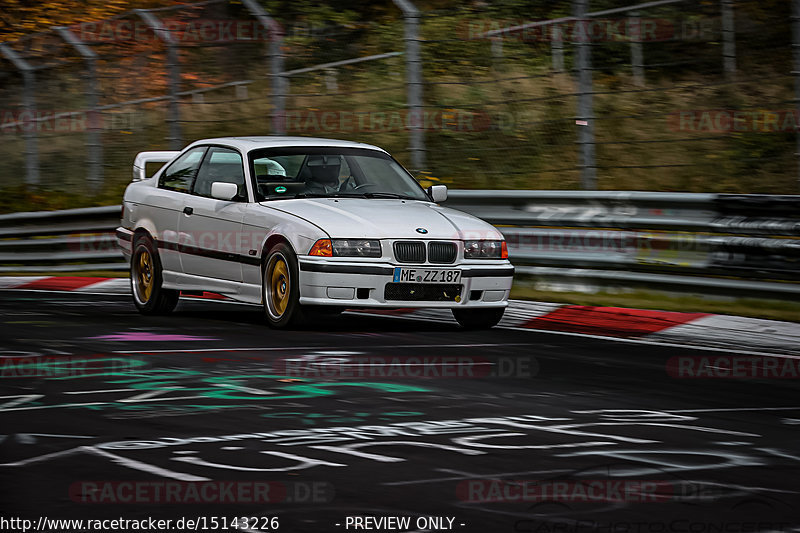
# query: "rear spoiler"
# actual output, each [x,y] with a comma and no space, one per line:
[142,158]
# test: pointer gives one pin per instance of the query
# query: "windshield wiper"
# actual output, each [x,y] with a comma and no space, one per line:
[345,195]
[388,195]
[313,195]
[286,197]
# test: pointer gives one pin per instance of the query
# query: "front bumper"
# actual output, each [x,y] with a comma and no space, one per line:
[363,284]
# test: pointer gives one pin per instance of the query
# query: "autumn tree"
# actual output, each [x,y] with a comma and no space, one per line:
[20,17]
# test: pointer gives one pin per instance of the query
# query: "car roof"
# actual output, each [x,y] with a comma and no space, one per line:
[276,141]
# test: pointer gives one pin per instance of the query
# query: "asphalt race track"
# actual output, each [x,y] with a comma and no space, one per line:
[209,414]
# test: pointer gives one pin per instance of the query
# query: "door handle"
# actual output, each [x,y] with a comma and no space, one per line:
[188,210]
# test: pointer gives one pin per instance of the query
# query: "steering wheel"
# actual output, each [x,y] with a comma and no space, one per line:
[346,183]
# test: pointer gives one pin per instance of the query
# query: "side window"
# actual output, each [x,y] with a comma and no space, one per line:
[221,164]
[179,175]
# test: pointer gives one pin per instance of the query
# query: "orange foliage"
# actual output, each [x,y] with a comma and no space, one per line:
[20,17]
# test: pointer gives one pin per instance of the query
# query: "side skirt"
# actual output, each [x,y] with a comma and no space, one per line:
[243,292]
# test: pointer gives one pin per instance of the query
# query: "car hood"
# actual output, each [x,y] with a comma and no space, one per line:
[376,218]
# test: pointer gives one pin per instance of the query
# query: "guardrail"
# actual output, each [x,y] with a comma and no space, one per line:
[71,240]
[741,245]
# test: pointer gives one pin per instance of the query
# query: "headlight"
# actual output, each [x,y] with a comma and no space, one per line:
[346,248]
[485,250]
[356,248]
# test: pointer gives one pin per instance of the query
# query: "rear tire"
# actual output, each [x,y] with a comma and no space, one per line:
[280,288]
[149,297]
[479,318]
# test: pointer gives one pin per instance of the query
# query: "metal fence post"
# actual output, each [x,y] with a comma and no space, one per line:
[796,73]
[173,66]
[557,47]
[728,38]
[411,16]
[331,80]
[29,104]
[585,118]
[280,88]
[280,83]
[497,50]
[637,59]
[93,136]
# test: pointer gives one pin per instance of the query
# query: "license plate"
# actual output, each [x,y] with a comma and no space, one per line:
[426,275]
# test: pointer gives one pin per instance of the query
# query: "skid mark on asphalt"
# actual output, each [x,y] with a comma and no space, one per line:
[319,346]
[137,336]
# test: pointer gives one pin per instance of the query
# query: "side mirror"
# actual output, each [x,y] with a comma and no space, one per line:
[438,193]
[224,191]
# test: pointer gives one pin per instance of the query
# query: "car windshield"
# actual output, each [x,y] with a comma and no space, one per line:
[282,173]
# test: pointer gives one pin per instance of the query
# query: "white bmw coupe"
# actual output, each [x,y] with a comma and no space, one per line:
[303,226]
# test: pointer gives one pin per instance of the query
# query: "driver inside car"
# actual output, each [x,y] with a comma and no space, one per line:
[323,174]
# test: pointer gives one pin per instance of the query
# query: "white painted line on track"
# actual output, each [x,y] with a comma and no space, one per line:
[59,436]
[736,409]
[98,391]
[144,467]
[46,457]
[19,400]
[654,342]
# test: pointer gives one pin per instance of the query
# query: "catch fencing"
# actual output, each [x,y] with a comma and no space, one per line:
[663,95]
[736,245]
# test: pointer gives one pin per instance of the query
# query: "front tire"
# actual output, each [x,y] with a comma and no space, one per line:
[281,288]
[480,318]
[149,296]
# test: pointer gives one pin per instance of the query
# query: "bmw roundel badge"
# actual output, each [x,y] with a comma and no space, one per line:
[422,230]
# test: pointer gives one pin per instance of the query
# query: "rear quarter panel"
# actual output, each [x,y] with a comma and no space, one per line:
[156,211]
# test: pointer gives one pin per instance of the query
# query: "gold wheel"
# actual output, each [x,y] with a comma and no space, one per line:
[144,276]
[279,285]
